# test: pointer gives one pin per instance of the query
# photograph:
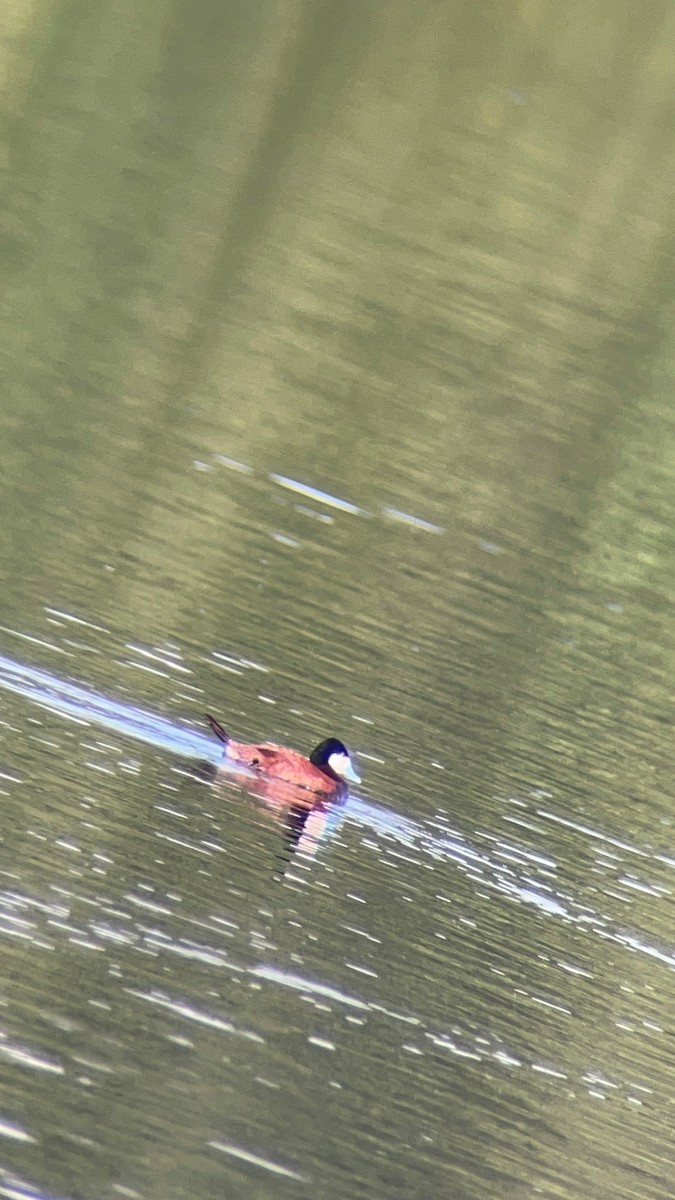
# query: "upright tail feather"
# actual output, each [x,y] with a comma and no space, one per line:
[217,728]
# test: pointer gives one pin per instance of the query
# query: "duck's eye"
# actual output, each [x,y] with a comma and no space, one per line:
[255,762]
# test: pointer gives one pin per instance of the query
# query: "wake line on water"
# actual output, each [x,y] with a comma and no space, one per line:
[88,707]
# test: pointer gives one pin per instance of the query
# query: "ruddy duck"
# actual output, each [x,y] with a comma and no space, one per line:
[326,773]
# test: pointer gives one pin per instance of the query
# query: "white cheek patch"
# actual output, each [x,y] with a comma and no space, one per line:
[339,763]
[342,766]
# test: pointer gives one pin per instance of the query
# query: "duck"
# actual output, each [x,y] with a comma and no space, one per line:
[325,775]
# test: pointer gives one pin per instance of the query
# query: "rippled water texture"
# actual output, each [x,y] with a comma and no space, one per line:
[337,345]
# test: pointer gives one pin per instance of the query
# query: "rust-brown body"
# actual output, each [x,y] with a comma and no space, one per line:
[278,763]
[288,766]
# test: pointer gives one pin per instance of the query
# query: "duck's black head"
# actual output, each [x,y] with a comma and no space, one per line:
[332,757]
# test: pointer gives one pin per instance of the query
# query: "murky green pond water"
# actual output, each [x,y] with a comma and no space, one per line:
[338,359]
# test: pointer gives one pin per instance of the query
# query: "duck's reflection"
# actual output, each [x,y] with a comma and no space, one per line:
[303,817]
